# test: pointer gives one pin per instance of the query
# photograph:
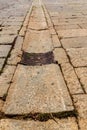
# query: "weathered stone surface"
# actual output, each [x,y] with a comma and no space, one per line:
[82,75]
[65,27]
[2,60]
[37,42]
[16,53]
[78,56]
[37,25]
[72,33]
[22,31]
[52,31]
[39,89]
[83,124]
[60,55]
[4,50]
[71,79]
[76,42]
[63,124]
[5,79]
[80,102]
[55,41]
[1,104]
[7,39]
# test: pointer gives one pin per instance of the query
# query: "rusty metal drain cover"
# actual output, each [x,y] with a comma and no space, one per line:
[33,59]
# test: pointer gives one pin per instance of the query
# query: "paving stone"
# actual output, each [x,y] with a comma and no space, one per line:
[60,55]
[83,25]
[77,42]
[80,101]
[55,40]
[65,27]
[71,79]
[82,75]
[5,79]
[78,56]
[14,23]
[83,124]
[4,50]
[63,124]
[38,25]
[37,42]
[16,53]
[1,104]
[38,89]
[2,60]
[72,33]
[7,39]
[9,32]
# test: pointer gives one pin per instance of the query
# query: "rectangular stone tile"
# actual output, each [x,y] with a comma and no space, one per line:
[80,101]
[5,79]
[9,32]
[72,33]
[82,75]
[37,42]
[65,27]
[60,55]
[71,79]
[78,56]
[63,124]
[16,53]
[38,25]
[7,39]
[77,42]
[55,41]
[4,50]
[38,89]
[2,60]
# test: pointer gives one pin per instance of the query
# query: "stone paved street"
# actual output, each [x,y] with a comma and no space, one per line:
[43,65]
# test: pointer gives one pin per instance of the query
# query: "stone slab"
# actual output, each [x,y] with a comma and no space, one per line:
[38,25]
[83,124]
[16,53]
[71,79]
[38,89]
[5,79]
[55,41]
[7,39]
[37,42]
[63,124]
[1,104]
[77,42]
[2,60]
[65,27]
[4,50]
[60,56]
[72,33]
[78,56]
[82,75]
[80,101]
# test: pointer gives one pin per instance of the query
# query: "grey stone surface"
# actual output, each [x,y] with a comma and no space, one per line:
[82,75]
[63,124]
[37,42]
[38,89]
[78,56]
[7,39]
[4,50]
